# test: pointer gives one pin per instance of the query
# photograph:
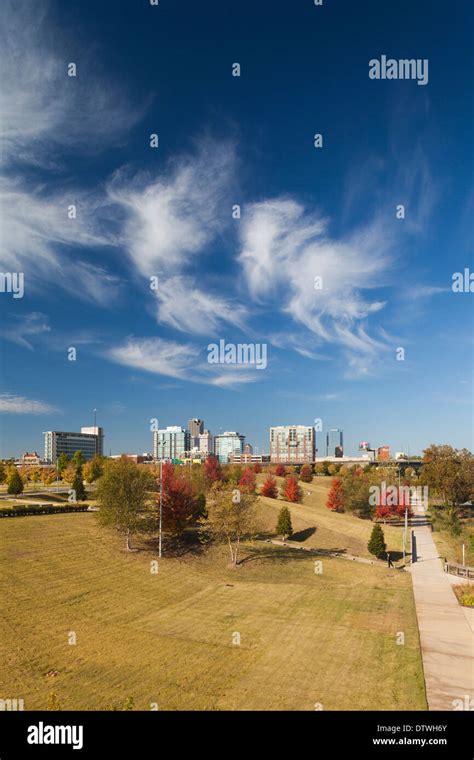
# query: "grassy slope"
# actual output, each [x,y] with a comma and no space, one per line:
[167,638]
[332,530]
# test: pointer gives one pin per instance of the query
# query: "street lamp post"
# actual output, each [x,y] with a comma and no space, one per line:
[161,503]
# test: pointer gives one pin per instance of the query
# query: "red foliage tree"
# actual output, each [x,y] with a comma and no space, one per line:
[212,470]
[291,490]
[270,487]
[335,500]
[180,506]
[257,468]
[306,474]
[382,512]
[247,482]
[280,470]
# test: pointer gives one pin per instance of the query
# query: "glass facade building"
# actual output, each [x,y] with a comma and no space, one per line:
[90,441]
[171,443]
[228,443]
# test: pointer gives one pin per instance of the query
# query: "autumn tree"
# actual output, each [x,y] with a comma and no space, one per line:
[306,473]
[234,474]
[291,490]
[231,516]
[449,473]
[69,473]
[247,482]
[280,470]
[122,495]
[269,487]
[179,503]
[212,470]
[48,475]
[257,468]
[284,527]
[93,469]
[335,499]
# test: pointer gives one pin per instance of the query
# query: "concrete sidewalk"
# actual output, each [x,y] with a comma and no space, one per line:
[447,642]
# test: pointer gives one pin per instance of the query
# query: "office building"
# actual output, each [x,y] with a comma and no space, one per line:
[196,428]
[206,443]
[171,443]
[228,443]
[292,444]
[90,442]
[334,443]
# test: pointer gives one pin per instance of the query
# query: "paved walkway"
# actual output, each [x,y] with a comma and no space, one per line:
[447,642]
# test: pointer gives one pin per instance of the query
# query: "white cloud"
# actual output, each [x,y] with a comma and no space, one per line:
[185,307]
[25,327]
[284,248]
[10,404]
[170,219]
[185,361]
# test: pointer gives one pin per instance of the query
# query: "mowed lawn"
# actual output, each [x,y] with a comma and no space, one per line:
[317,527]
[167,638]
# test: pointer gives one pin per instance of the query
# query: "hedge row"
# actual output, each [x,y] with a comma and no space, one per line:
[39,509]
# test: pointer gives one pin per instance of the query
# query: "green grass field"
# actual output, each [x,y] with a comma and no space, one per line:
[306,638]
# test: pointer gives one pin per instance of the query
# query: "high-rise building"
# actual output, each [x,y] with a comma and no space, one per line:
[90,441]
[206,443]
[196,428]
[383,453]
[228,443]
[334,443]
[292,444]
[171,443]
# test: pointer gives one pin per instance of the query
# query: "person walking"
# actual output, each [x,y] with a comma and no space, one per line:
[389,560]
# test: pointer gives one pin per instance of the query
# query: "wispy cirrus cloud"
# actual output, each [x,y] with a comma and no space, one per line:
[11,404]
[169,219]
[185,307]
[184,361]
[284,248]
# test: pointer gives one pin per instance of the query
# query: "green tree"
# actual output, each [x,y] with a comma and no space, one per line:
[284,527]
[93,469]
[123,494]
[78,458]
[449,473]
[78,484]
[231,515]
[376,545]
[3,473]
[15,483]
[63,461]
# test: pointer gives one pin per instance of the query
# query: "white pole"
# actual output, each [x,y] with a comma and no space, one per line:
[161,502]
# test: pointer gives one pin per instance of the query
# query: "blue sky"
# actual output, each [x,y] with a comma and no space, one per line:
[306,212]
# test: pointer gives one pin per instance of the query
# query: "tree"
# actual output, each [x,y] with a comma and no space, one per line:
[78,458]
[450,473]
[122,494]
[212,470]
[257,468]
[306,473]
[63,461]
[319,468]
[3,473]
[247,482]
[291,490]
[280,470]
[93,469]
[270,487]
[284,527]
[15,483]
[234,474]
[376,545]
[78,485]
[230,517]
[69,473]
[48,475]
[179,503]
[335,500]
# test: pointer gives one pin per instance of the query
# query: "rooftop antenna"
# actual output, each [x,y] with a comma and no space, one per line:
[95,417]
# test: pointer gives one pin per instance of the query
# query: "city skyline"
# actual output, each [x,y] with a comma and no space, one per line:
[234,264]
